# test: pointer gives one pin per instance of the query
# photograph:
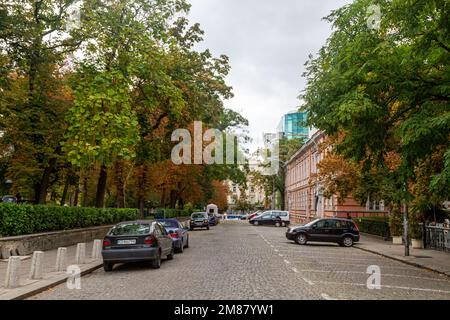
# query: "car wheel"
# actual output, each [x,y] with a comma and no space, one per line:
[277,224]
[181,248]
[207,228]
[301,239]
[108,266]
[156,263]
[256,223]
[171,255]
[187,243]
[347,241]
[283,224]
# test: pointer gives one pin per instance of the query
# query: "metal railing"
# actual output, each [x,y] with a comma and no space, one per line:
[437,238]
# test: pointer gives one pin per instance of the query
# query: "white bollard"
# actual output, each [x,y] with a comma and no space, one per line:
[37,265]
[80,257]
[97,249]
[61,260]
[12,273]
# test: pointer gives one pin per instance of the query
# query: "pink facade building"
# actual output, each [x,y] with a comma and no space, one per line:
[304,198]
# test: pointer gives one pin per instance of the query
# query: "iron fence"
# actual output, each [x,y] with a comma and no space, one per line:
[437,238]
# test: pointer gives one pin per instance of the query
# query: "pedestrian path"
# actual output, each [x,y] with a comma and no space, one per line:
[50,276]
[425,258]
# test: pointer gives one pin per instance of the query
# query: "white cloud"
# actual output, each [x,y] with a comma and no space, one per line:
[268,43]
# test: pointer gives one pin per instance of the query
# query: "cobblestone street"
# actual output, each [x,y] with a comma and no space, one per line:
[239,261]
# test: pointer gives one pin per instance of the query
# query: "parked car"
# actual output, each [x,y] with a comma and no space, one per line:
[253,215]
[213,219]
[137,241]
[199,220]
[345,232]
[177,232]
[9,199]
[274,217]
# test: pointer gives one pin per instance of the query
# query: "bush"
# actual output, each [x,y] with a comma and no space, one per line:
[396,222]
[27,219]
[378,226]
[415,228]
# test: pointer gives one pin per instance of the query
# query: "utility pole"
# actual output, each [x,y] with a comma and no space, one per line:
[273,193]
[405,228]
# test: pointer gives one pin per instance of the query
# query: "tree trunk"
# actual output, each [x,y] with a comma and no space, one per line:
[41,195]
[173,198]
[141,188]
[120,185]
[101,187]
[85,192]
[75,198]
[163,198]
[65,191]
[141,207]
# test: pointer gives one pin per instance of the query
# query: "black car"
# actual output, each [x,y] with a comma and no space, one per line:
[342,231]
[137,241]
[274,218]
[199,220]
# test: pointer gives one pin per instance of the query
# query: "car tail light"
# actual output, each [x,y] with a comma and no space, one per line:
[106,243]
[173,235]
[149,241]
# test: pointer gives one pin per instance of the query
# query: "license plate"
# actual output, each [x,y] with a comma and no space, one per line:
[126,241]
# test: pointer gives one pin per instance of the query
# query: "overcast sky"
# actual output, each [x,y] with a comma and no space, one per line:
[268,43]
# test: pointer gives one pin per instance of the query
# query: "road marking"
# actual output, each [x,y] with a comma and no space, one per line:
[276,250]
[280,255]
[326,297]
[295,270]
[308,281]
[355,265]
[384,274]
[286,261]
[386,286]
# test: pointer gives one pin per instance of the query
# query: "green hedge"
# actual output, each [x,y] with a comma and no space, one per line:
[374,225]
[27,219]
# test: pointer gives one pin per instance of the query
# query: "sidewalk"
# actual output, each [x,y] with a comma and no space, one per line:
[434,260]
[50,277]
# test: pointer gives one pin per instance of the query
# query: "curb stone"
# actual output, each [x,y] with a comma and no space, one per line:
[36,287]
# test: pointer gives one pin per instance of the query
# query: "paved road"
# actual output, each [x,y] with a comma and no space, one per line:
[239,261]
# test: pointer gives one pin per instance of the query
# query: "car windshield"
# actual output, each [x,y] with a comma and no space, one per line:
[169,224]
[128,229]
[311,223]
[198,216]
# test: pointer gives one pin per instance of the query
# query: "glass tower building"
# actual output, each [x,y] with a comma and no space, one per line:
[293,125]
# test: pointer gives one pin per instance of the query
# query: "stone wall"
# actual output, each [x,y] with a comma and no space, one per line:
[27,244]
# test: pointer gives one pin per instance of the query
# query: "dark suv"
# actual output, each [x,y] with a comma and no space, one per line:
[342,231]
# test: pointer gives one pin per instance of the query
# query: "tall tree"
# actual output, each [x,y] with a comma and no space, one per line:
[34,43]
[386,90]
